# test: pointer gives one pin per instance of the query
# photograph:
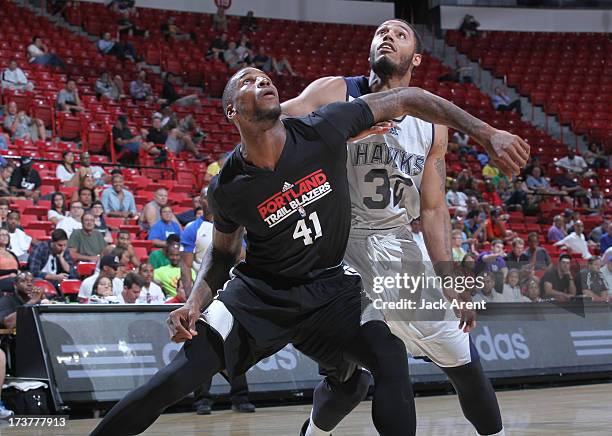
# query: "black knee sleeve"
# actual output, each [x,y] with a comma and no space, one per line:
[333,400]
[476,396]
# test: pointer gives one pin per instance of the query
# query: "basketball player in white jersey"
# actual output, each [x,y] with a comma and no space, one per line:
[398,174]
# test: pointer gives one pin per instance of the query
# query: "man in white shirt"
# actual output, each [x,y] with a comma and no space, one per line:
[38,54]
[132,287]
[576,242]
[456,198]
[72,222]
[109,264]
[20,241]
[150,292]
[574,164]
[14,78]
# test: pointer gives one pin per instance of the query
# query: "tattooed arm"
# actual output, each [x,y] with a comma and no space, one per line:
[220,257]
[435,221]
[507,151]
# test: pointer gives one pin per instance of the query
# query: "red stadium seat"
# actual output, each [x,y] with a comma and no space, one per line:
[85,269]
[70,287]
[48,288]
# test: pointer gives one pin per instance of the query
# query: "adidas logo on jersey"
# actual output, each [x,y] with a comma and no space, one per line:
[287,186]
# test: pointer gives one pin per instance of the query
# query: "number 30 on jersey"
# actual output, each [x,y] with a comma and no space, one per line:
[303,231]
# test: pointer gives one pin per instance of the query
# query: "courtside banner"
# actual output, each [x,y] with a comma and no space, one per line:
[101,353]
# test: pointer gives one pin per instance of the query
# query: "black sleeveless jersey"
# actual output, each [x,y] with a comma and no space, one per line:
[297,217]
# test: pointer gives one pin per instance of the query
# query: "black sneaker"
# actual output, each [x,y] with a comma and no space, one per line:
[203,408]
[243,407]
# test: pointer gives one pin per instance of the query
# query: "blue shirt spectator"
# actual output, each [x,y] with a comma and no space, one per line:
[605,242]
[165,227]
[118,201]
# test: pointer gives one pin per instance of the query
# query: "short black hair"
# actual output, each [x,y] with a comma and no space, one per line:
[417,36]
[58,235]
[123,232]
[565,256]
[133,279]
[173,239]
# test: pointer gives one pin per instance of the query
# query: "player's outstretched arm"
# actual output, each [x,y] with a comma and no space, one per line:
[220,257]
[322,91]
[507,151]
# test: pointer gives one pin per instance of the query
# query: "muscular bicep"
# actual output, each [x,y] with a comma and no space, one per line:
[322,91]
[433,183]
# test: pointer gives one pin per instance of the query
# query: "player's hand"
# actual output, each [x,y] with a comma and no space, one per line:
[376,129]
[181,323]
[467,319]
[507,151]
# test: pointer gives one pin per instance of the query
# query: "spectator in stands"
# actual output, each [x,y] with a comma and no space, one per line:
[166,226]
[195,240]
[159,258]
[218,46]
[595,201]
[51,260]
[214,168]
[532,291]
[456,198]
[25,294]
[118,201]
[517,196]
[600,230]
[127,27]
[172,97]
[232,57]
[86,244]
[488,293]
[39,54]
[573,163]
[517,257]
[112,89]
[489,171]
[502,102]
[20,242]
[151,213]
[248,23]
[262,61]
[150,293]
[109,46]
[125,140]
[220,20]
[596,156]
[109,264]
[22,126]
[171,31]
[536,255]
[493,261]
[124,241]
[576,242]
[591,283]
[102,292]
[511,292]
[537,182]
[57,212]
[197,211]
[74,220]
[469,27]
[97,210]
[175,139]
[282,65]
[606,270]
[556,232]
[605,241]
[567,183]
[86,197]
[25,181]
[491,196]
[8,262]
[474,226]
[15,79]
[68,98]
[140,90]
[557,282]
[124,8]
[66,170]
[245,49]
[457,245]
[167,276]
[132,286]
[97,172]
[495,226]
[6,173]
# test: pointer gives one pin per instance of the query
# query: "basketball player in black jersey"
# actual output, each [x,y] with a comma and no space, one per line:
[286,185]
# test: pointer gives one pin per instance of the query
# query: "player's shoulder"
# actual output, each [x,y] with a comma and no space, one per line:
[356,86]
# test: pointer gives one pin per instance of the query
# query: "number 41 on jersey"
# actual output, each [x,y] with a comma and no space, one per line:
[302,230]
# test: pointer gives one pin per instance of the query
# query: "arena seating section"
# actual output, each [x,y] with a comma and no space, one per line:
[324,49]
[568,74]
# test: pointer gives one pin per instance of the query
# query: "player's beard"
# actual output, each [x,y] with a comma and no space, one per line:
[385,68]
[269,114]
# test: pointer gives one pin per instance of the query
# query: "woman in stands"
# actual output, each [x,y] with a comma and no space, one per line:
[88,181]
[9,264]
[66,171]
[102,291]
[5,177]
[58,208]
[97,209]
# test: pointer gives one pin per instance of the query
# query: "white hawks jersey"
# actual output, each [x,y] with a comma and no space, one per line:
[385,171]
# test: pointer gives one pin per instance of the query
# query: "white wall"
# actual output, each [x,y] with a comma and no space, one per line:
[326,11]
[529,20]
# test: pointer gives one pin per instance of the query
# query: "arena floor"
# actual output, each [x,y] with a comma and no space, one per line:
[579,410]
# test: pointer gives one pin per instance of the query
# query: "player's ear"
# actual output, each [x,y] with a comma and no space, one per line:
[416,59]
[230,112]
